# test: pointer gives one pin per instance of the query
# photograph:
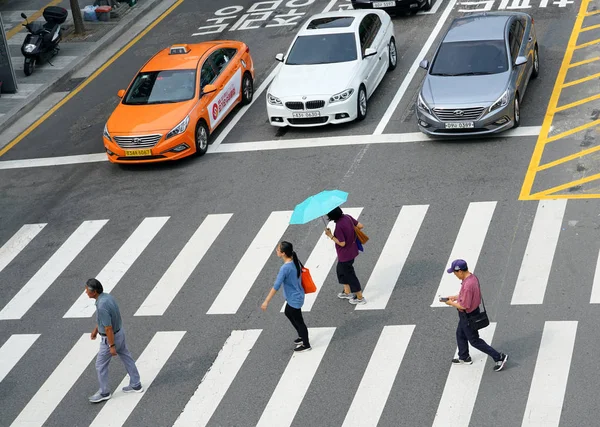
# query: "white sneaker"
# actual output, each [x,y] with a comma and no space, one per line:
[343,295]
[357,301]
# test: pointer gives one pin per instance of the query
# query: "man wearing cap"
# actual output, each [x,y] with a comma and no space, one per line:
[467,303]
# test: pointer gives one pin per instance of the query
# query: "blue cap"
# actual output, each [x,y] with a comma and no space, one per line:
[458,265]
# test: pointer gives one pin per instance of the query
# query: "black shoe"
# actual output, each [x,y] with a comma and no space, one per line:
[298,341]
[302,348]
[467,361]
[500,363]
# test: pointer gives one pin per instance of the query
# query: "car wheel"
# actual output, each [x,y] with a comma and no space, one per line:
[536,63]
[361,107]
[29,66]
[393,55]
[428,5]
[202,135]
[247,89]
[517,112]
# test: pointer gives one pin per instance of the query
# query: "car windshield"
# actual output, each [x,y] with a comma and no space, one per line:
[470,58]
[323,49]
[162,87]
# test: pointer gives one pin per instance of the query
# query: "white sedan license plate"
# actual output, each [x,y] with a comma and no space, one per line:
[306,115]
[384,4]
[460,125]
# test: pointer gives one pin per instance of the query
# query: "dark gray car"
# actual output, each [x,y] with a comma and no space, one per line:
[478,76]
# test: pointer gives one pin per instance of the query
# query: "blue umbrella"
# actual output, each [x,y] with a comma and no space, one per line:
[318,205]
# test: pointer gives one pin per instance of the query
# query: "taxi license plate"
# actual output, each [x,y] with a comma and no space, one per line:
[384,4]
[137,153]
[460,125]
[306,115]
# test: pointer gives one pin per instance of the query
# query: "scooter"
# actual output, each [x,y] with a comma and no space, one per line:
[41,44]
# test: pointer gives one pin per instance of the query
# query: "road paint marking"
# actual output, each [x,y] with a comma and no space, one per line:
[18,242]
[13,350]
[578,103]
[119,264]
[573,131]
[591,27]
[587,61]
[550,191]
[244,275]
[382,282]
[588,44]
[51,270]
[549,382]
[11,33]
[378,379]
[434,9]
[595,298]
[295,380]
[462,385]
[467,246]
[217,380]
[578,81]
[568,158]
[58,384]
[413,69]
[169,285]
[321,260]
[539,253]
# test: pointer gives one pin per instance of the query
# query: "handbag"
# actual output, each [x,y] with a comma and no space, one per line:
[480,320]
[306,280]
[360,235]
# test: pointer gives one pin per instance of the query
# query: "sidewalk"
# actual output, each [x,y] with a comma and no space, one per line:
[75,52]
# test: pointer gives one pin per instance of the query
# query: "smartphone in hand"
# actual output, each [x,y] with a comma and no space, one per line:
[443,299]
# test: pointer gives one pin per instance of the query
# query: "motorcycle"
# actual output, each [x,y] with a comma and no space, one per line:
[41,44]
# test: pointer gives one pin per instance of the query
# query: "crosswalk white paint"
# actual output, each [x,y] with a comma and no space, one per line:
[467,246]
[462,385]
[550,376]
[13,350]
[18,242]
[539,254]
[321,260]
[58,384]
[115,411]
[382,282]
[165,291]
[245,273]
[119,264]
[378,379]
[41,281]
[293,384]
[201,407]
[595,298]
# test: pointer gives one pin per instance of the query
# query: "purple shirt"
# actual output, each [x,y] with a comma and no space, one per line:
[344,232]
[469,296]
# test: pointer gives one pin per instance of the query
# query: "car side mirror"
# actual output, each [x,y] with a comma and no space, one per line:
[370,52]
[279,57]
[121,93]
[23,16]
[208,89]
[424,64]
[521,60]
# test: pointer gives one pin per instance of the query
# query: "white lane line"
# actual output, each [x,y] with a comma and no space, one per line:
[41,281]
[58,384]
[321,260]
[18,242]
[115,411]
[330,6]
[215,383]
[537,261]
[462,385]
[383,279]
[53,161]
[378,379]
[413,69]
[242,278]
[433,10]
[294,382]
[119,264]
[550,376]
[13,350]
[165,291]
[467,246]
[595,298]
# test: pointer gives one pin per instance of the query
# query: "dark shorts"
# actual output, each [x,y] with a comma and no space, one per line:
[347,276]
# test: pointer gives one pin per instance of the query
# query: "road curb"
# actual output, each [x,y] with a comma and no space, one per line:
[33,100]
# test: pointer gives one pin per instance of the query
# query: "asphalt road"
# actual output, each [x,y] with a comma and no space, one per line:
[450,177]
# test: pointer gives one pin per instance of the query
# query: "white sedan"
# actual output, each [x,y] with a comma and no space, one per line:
[332,68]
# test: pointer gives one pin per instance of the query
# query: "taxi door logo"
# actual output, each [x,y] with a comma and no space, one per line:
[226,98]
[215,111]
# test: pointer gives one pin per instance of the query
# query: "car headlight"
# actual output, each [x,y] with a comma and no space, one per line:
[29,48]
[500,102]
[273,100]
[180,128]
[342,96]
[421,105]
[106,134]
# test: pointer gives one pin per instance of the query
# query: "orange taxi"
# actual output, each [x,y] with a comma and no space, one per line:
[177,100]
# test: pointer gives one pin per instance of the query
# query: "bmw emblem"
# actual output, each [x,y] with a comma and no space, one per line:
[304,97]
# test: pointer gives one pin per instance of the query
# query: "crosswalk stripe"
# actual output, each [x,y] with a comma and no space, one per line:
[539,254]
[116,410]
[293,384]
[549,382]
[41,281]
[383,279]
[378,379]
[13,350]
[245,273]
[165,291]
[122,261]
[467,246]
[58,384]
[321,260]
[462,385]
[201,407]
[595,298]
[18,242]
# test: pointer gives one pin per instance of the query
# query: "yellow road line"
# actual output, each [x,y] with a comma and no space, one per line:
[591,27]
[593,42]
[593,12]
[89,79]
[564,196]
[568,185]
[568,158]
[11,33]
[587,61]
[560,80]
[572,131]
[584,79]
[576,103]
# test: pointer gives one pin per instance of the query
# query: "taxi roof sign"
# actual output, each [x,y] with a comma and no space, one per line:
[179,49]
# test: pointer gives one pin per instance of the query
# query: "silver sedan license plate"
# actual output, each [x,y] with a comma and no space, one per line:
[379,4]
[306,115]
[460,125]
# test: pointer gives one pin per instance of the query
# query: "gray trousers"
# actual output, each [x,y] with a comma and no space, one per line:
[104,357]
